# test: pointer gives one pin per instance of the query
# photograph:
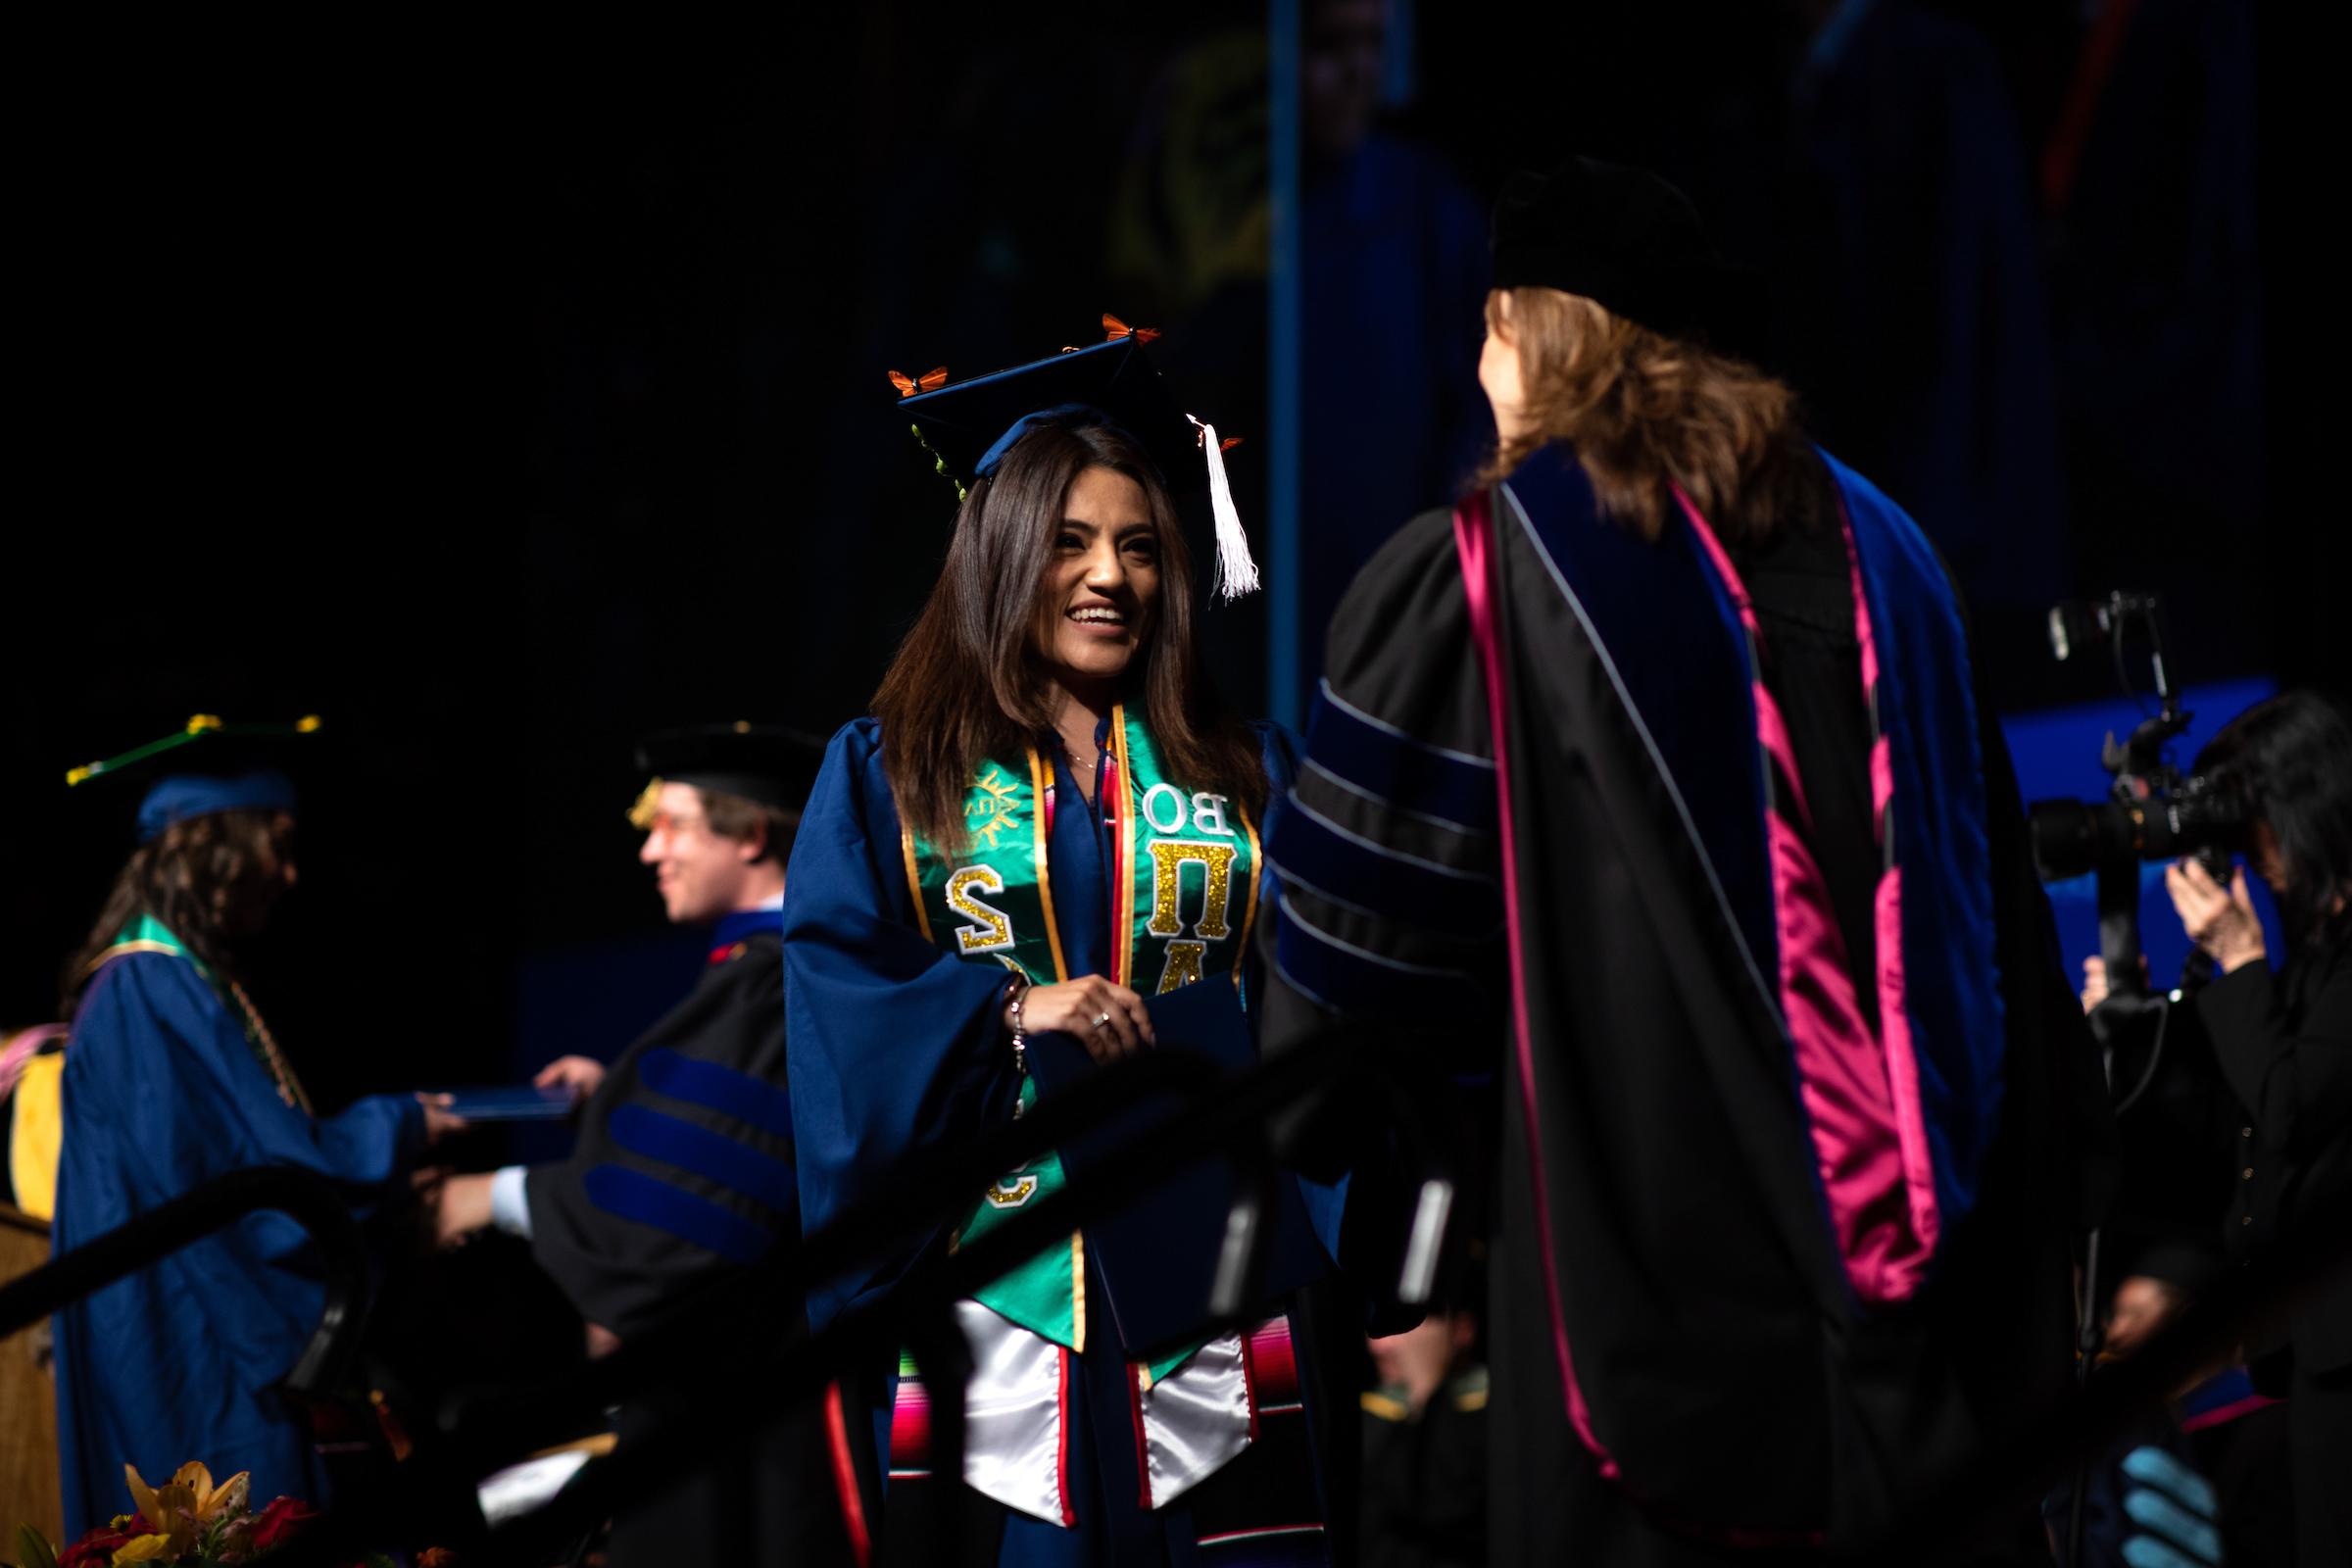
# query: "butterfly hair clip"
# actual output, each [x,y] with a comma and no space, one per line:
[1115,329]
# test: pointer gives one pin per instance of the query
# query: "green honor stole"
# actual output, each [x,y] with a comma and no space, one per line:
[1184,893]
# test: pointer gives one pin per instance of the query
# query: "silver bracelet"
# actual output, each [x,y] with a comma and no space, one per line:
[1020,1041]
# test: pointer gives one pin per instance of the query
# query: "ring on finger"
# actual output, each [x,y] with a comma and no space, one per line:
[1101,1018]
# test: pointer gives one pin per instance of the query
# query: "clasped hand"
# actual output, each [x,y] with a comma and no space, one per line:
[1109,1020]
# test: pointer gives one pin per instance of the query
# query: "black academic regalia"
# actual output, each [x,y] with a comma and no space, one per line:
[684,1171]
[2283,1041]
[1708,1383]
[1425,1478]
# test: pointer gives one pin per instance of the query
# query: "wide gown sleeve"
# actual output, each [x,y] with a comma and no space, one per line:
[896,1047]
[683,1168]
[1390,917]
[172,1074]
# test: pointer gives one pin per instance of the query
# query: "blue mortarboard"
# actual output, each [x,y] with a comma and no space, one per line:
[971,426]
[215,767]
[179,796]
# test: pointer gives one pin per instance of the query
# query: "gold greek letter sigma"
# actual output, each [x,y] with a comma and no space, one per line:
[1012,1192]
[990,928]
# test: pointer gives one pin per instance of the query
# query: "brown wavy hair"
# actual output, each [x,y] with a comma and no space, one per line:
[1644,412]
[208,878]
[741,818]
[968,683]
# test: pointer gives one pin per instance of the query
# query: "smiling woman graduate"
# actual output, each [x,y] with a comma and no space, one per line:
[1050,819]
[171,1078]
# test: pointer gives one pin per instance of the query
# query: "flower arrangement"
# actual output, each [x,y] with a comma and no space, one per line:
[188,1519]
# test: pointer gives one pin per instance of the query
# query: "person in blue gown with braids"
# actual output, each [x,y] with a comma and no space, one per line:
[173,1078]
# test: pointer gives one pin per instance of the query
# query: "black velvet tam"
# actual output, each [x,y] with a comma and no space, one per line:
[764,762]
[1621,238]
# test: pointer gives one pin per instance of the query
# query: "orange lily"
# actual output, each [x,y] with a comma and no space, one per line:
[143,1496]
[183,1507]
[170,1508]
[213,1502]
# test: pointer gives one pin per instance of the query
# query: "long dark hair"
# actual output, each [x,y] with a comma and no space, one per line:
[2289,758]
[205,877]
[968,683]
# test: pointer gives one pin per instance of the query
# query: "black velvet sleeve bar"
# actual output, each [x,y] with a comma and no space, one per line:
[1420,986]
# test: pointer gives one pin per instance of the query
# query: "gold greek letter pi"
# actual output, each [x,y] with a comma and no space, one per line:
[1168,856]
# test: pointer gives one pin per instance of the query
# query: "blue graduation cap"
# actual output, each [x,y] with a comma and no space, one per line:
[969,426]
[215,767]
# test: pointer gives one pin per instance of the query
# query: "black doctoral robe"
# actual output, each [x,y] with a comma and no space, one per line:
[684,1171]
[1659,1202]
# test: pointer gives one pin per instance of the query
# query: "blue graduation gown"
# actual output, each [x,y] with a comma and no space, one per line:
[180,1361]
[897,1046]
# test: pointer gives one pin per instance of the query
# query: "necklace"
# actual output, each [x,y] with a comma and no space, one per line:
[1085,771]
[1082,753]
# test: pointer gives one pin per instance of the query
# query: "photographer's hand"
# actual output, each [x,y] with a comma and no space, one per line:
[2221,920]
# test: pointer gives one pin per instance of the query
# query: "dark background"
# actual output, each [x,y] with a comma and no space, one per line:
[500,398]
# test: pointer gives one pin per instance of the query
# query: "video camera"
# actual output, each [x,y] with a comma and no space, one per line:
[2153,812]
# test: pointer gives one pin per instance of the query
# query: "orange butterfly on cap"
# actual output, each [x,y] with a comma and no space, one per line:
[928,381]
[1115,329]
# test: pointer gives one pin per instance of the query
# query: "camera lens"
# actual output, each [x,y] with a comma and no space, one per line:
[2066,838]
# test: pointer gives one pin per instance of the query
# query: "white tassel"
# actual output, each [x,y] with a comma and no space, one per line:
[1237,572]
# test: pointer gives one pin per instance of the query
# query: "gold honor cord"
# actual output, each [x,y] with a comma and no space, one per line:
[1122,954]
[1045,879]
[914,881]
[150,935]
